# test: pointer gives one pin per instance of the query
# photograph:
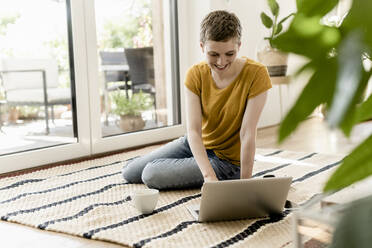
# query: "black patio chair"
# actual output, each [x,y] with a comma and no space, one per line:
[141,70]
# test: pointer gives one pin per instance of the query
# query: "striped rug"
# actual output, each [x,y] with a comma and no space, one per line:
[91,200]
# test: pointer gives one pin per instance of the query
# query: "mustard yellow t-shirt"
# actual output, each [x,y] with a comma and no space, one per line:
[223,109]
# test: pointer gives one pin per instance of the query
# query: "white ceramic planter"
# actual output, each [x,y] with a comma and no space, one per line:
[129,123]
[275,61]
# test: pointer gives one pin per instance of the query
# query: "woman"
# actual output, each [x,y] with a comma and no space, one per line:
[224,99]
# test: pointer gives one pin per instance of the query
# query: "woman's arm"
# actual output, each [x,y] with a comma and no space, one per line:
[248,133]
[194,135]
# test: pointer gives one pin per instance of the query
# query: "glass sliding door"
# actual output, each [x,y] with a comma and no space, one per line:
[131,63]
[136,72]
[35,73]
[38,121]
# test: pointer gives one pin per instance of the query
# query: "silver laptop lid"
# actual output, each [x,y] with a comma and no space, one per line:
[245,198]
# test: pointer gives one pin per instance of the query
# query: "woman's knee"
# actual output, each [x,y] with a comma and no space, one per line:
[168,173]
[132,173]
[151,176]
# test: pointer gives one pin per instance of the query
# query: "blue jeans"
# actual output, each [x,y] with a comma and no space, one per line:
[173,166]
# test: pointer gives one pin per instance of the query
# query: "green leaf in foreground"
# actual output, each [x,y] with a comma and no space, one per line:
[356,166]
[278,29]
[349,119]
[306,36]
[266,20]
[322,82]
[274,7]
[285,18]
[364,111]
[359,17]
[348,78]
[315,7]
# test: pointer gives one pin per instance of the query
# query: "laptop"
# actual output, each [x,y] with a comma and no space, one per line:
[241,199]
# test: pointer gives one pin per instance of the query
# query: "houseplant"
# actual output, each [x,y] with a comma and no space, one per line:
[130,109]
[268,54]
[28,112]
[335,57]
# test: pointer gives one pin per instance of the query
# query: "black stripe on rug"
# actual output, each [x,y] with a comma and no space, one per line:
[98,166]
[273,153]
[82,212]
[270,170]
[14,185]
[251,229]
[175,230]
[183,200]
[53,204]
[313,173]
[308,156]
[90,168]
[22,182]
[59,187]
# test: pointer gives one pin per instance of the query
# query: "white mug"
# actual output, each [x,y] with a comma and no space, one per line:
[145,200]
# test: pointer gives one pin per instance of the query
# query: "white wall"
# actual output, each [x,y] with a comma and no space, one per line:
[191,13]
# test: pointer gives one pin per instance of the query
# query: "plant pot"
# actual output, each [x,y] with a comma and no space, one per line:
[29,117]
[275,60]
[13,115]
[129,123]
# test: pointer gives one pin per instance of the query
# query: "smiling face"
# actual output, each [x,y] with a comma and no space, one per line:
[220,55]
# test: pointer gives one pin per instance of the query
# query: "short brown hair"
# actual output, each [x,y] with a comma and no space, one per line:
[220,25]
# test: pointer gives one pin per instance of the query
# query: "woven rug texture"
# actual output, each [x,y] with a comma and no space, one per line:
[90,199]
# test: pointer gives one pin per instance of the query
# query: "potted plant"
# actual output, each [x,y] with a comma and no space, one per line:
[335,57]
[130,109]
[268,54]
[28,112]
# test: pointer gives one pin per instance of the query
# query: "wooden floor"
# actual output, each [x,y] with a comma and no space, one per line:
[311,136]
[314,136]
